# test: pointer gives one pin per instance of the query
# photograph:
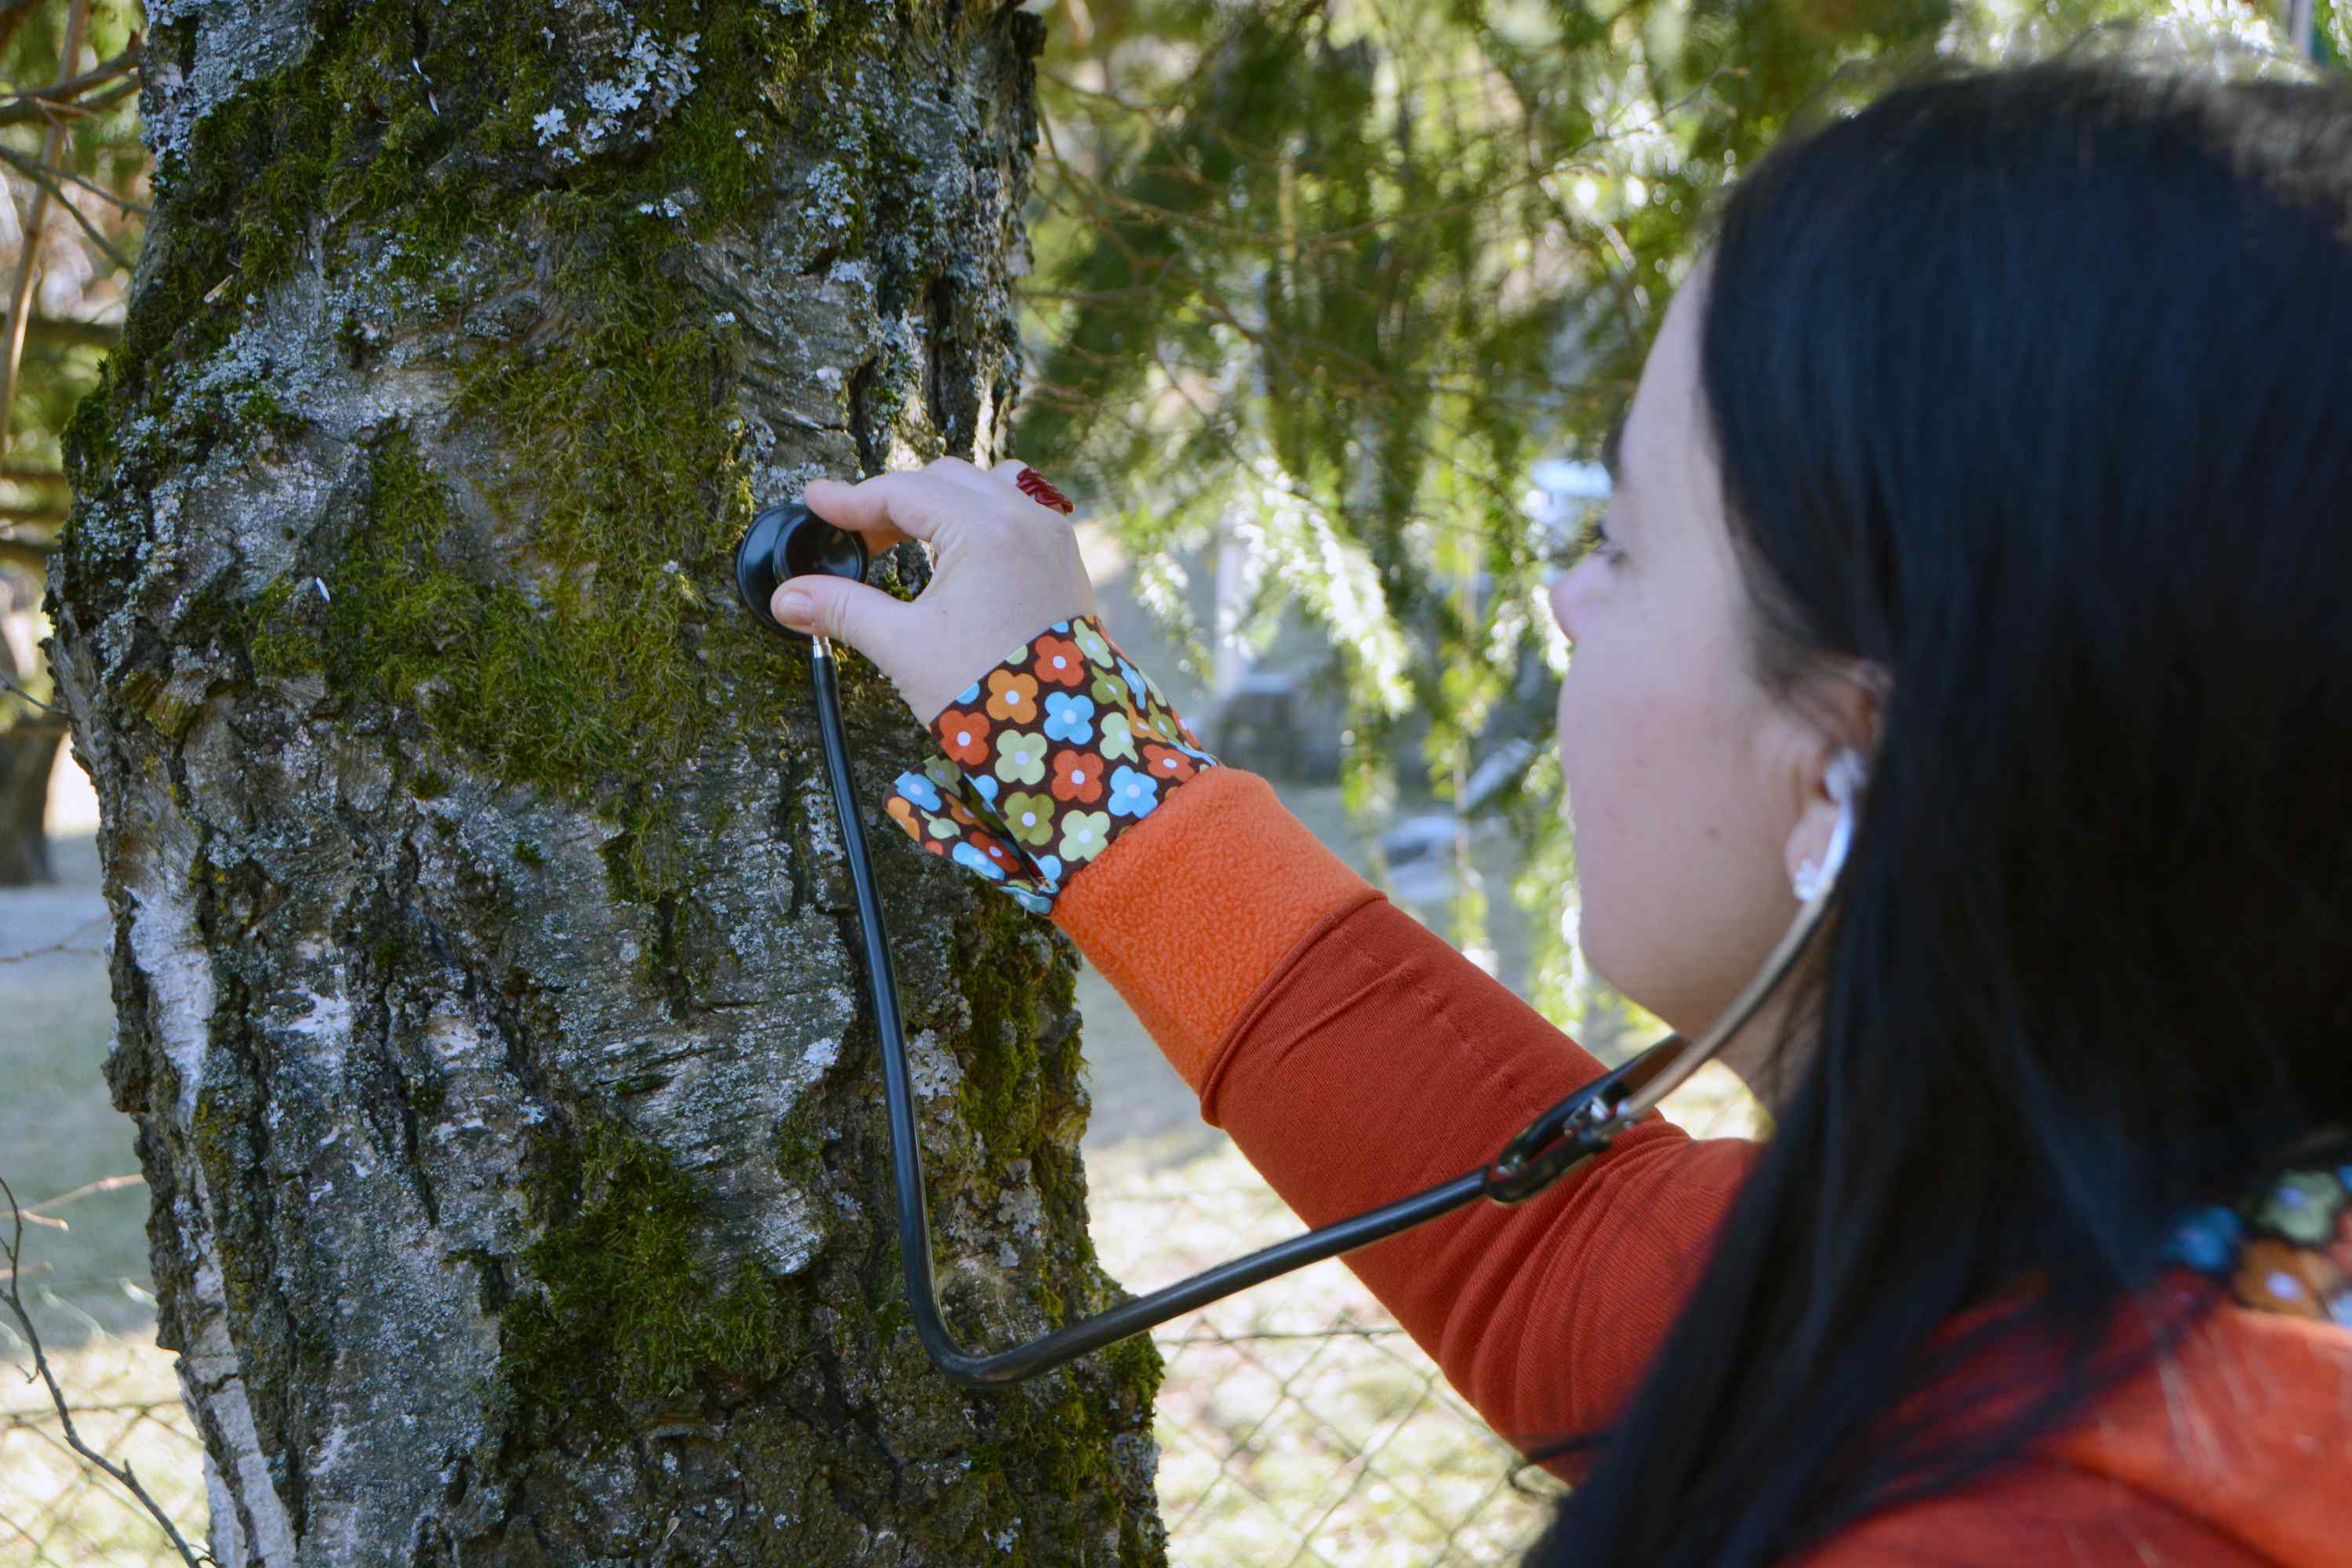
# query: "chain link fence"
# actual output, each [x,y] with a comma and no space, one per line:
[68,1477]
[1298,1425]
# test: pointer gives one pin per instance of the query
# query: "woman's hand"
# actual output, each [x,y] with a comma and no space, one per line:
[1005,568]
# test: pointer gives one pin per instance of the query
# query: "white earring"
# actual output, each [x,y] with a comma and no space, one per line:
[1845,781]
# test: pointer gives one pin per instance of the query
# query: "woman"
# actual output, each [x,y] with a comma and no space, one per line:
[1990,482]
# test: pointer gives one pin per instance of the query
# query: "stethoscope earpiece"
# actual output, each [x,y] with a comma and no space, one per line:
[787,540]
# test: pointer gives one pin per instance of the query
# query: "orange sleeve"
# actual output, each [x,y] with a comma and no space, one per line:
[1355,1058]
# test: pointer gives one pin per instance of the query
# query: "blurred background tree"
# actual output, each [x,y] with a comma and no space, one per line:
[75,177]
[1327,284]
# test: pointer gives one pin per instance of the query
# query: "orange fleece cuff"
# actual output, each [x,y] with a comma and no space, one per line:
[1190,910]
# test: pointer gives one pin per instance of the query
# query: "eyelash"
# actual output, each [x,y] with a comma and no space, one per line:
[1591,536]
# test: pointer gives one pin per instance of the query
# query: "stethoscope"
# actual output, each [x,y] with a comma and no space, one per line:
[790,540]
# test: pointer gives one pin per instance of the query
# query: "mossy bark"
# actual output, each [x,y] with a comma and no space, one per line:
[483,951]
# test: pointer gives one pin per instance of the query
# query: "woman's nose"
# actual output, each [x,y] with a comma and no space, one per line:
[1566,596]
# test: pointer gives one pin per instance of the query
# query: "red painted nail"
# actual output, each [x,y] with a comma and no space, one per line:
[1034,484]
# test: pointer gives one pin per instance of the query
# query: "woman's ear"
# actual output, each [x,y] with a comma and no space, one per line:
[1831,771]
[1817,844]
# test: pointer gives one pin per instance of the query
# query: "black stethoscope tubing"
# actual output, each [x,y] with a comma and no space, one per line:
[1546,1148]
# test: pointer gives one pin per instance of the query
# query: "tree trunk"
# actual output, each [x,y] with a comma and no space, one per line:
[483,949]
[29,755]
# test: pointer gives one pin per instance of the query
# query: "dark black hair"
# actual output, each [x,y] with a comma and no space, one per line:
[2031,385]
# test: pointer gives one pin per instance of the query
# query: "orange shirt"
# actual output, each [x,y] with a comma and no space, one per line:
[1355,1058]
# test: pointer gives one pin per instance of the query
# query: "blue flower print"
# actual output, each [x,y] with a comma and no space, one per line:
[920,790]
[1020,757]
[1118,737]
[967,697]
[2206,1239]
[984,786]
[1136,683]
[1035,903]
[965,855]
[1069,718]
[1133,794]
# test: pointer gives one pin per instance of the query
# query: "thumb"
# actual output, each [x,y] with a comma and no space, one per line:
[827,607]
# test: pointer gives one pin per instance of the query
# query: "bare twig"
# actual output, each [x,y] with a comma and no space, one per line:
[35,701]
[42,175]
[29,258]
[32,170]
[26,110]
[41,1369]
[88,1189]
[74,87]
[120,1473]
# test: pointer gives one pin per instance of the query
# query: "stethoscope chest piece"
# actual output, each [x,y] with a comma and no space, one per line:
[787,540]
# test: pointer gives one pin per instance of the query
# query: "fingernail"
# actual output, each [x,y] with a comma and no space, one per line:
[796,609]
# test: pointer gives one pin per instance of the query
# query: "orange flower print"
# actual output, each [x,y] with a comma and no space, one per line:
[993,848]
[902,811]
[1167,762]
[1012,696]
[2282,1278]
[1058,661]
[1078,775]
[959,812]
[963,736]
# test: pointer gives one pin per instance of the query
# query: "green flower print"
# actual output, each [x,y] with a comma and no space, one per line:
[1084,833]
[1116,738]
[1091,642]
[1109,690]
[2301,1207]
[1020,756]
[1029,817]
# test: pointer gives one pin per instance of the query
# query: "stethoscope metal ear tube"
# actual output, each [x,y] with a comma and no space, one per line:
[1549,1148]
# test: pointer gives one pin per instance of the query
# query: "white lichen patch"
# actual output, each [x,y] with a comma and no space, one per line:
[1021,1207]
[930,1064]
[645,81]
[327,1026]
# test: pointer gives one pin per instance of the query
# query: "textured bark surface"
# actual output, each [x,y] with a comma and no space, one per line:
[482,951]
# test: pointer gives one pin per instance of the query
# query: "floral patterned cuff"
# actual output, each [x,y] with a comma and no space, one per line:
[1049,757]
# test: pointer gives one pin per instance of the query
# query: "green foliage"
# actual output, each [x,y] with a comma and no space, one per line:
[1326,282]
